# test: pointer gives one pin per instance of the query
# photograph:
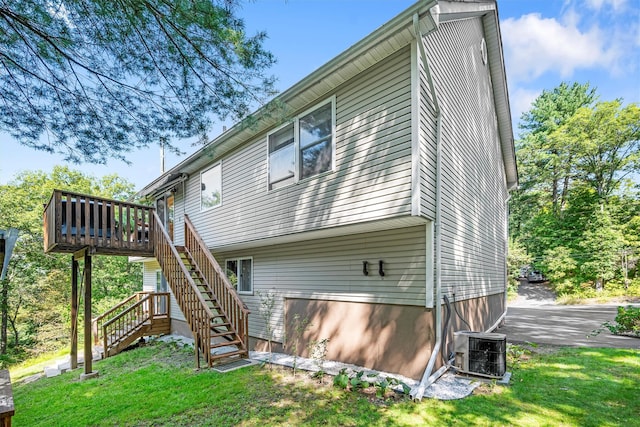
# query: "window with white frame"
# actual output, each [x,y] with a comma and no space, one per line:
[211,187]
[303,148]
[240,273]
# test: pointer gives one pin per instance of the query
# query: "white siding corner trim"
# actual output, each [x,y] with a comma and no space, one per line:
[429,266]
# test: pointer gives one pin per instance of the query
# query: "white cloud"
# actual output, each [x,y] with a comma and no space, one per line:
[521,100]
[615,5]
[535,45]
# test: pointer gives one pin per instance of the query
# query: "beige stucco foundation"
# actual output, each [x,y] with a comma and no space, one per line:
[391,338]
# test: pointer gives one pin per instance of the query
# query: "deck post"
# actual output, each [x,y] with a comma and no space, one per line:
[88,341]
[73,354]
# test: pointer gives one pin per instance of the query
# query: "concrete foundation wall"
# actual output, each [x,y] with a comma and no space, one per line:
[181,327]
[384,337]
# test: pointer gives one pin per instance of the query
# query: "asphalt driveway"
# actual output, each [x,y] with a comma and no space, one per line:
[534,317]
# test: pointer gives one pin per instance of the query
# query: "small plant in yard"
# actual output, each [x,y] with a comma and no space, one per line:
[341,380]
[267,304]
[361,382]
[381,387]
[299,328]
[357,381]
[318,350]
[515,354]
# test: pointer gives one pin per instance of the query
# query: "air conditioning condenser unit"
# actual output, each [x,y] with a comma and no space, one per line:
[483,354]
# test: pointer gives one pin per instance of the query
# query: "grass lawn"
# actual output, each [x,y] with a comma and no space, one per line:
[156,385]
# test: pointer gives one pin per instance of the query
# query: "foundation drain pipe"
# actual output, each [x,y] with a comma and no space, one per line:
[429,377]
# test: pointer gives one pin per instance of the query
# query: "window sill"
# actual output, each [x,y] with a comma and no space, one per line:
[303,181]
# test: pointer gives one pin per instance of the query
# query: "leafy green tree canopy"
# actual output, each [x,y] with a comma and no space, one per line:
[577,208]
[95,79]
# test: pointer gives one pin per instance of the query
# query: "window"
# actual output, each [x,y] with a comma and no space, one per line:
[211,187]
[316,130]
[303,148]
[281,157]
[240,273]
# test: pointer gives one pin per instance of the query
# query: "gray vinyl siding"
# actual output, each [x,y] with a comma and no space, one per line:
[331,269]
[149,285]
[371,179]
[473,219]
[149,275]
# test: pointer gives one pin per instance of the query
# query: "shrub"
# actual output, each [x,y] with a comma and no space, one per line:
[627,321]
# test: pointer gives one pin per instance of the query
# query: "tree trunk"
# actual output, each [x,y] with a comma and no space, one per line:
[599,284]
[16,335]
[4,307]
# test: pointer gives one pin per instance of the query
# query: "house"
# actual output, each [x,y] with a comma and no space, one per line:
[332,206]
[373,200]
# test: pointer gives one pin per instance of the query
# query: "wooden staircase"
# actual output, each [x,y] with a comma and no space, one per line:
[142,314]
[217,317]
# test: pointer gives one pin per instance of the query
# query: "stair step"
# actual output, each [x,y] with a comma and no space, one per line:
[222,334]
[230,354]
[221,325]
[224,344]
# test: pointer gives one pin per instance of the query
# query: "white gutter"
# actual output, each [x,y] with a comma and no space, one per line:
[427,378]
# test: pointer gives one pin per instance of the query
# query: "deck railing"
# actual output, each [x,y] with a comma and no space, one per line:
[129,315]
[235,309]
[197,314]
[73,221]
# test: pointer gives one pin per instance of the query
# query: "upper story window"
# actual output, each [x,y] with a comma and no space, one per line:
[211,187]
[303,148]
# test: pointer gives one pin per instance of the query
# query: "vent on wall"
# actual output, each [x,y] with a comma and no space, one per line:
[481,353]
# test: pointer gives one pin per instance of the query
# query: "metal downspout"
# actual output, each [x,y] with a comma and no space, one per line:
[428,378]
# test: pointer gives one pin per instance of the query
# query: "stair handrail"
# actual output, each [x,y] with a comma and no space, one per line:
[126,311]
[235,309]
[126,328]
[215,264]
[197,324]
[97,322]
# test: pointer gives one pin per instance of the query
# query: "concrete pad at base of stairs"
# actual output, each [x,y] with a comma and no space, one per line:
[89,375]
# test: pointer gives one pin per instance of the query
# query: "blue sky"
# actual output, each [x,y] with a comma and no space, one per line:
[545,42]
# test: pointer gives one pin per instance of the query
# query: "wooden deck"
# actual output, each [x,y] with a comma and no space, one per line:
[85,226]
[76,221]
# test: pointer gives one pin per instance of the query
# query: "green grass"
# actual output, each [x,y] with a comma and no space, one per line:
[37,364]
[156,385]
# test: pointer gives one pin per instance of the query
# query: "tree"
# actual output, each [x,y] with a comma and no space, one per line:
[576,209]
[95,79]
[607,140]
[601,243]
[545,159]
